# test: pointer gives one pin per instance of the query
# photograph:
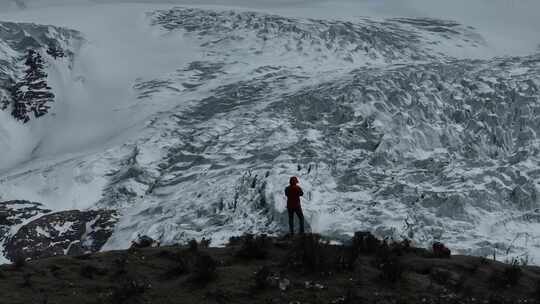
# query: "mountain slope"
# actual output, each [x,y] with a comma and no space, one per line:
[18,141]
[399,126]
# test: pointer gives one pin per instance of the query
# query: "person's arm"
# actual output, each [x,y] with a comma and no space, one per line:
[301,192]
[287,191]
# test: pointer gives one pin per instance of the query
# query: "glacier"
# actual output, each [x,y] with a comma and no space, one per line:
[189,120]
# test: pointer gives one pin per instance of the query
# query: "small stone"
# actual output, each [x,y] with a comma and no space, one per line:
[284,284]
[319,286]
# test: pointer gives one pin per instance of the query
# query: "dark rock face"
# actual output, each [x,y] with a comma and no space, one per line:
[70,232]
[32,94]
[15,212]
[23,79]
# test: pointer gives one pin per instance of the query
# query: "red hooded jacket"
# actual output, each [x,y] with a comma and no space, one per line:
[293,193]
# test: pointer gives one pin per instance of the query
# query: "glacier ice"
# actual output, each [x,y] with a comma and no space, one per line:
[395,126]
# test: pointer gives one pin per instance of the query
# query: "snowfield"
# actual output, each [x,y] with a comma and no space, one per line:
[189,120]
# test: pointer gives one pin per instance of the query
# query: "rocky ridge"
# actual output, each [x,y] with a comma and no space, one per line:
[30,232]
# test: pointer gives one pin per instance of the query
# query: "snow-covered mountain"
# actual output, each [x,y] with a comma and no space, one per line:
[16,76]
[188,122]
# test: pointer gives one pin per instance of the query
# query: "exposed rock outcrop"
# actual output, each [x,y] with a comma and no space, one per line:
[70,232]
[24,89]
[14,213]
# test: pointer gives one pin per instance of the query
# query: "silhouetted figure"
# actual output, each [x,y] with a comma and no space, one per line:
[293,193]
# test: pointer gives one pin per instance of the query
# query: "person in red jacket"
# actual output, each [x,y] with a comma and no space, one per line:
[293,193]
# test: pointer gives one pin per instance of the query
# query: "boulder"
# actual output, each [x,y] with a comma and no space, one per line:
[440,250]
[144,241]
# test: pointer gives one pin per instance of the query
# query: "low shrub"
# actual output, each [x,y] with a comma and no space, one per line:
[180,267]
[388,262]
[19,262]
[84,256]
[537,291]
[173,255]
[193,246]
[402,247]
[203,269]
[352,296]
[253,248]
[89,271]
[235,240]
[346,258]
[27,280]
[218,295]
[308,253]
[440,276]
[391,269]
[44,299]
[473,267]
[121,265]
[364,242]
[512,274]
[507,278]
[174,272]
[261,277]
[55,270]
[129,291]
[200,265]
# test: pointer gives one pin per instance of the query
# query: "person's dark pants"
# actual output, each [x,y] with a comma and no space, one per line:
[300,215]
